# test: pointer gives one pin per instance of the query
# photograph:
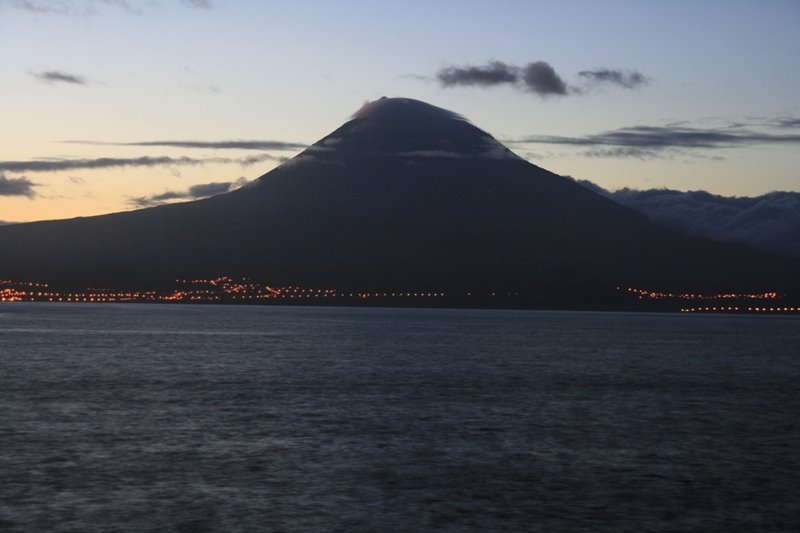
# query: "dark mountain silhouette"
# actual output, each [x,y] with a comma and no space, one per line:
[404,195]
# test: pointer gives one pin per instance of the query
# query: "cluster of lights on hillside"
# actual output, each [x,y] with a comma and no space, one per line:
[729,302]
[225,289]
[24,291]
[656,295]
[222,289]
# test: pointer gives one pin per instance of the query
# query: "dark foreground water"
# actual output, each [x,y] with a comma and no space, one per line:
[195,418]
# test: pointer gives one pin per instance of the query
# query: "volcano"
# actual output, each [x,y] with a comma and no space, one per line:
[403,195]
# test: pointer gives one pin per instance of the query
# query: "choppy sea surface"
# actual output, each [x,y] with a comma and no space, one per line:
[222,418]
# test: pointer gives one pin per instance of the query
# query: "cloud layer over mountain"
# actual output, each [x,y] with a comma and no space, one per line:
[195,192]
[770,222]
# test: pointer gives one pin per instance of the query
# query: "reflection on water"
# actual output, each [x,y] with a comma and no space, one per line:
[252,418]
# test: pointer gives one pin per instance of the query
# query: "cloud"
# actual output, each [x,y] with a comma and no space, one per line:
[55,7]
[253,159]
[493,73]
[58,165]
[788,122]
[628,79]
[209,189]
[57,76]
[16,187]
[653,141]
[203,4]
[215,145]
[770,222]
[624,153]
[85,8]
[195,192]
[34,6]
[203,88]
[541,78]
[538,77]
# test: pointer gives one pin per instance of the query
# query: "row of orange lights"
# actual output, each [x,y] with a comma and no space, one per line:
[740,309]
[196,291]
[656,295]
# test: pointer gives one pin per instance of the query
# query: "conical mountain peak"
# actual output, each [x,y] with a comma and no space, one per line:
[404,195]
[410,128]
[398,108]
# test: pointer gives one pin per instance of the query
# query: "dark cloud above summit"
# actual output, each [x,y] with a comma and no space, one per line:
[16,186]
[770,222]
[493,73]
[58,165]
[214,145]
[628,79]
[57,76]
[538,77]
[542,79]
[195,192]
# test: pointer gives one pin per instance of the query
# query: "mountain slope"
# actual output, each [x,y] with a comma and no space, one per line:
[405,195]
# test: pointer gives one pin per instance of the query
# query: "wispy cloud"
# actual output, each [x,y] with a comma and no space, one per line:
[628,79]
[58,76]
[203,88]
[788,122]
[69,7]
[538,77]
[493,73]
[254,159]
[215,145]
[63,7]
[58,165]
[195,192]
[16,186]
[83,8]
[652,141]
[203,4]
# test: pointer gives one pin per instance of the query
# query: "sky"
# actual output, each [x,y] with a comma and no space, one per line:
[120,104]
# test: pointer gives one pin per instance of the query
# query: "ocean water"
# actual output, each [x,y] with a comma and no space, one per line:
[222,418]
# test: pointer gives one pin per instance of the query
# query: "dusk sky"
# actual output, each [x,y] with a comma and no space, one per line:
[114,105]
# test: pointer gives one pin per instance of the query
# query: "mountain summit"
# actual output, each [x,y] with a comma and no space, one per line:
[406,127]
[405,195]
